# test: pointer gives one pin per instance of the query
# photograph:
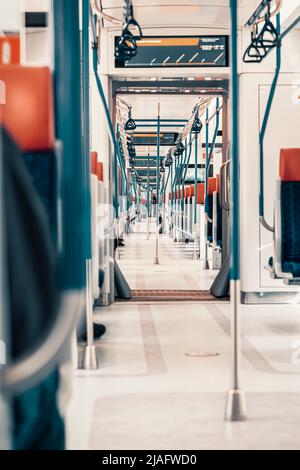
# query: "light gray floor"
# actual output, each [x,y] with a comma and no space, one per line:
[177,269]
[161,384]
[165,368]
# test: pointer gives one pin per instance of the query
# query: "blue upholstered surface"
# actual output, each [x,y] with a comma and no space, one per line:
[42,168]
[290,227]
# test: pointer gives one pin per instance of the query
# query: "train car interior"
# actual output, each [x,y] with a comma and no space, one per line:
[150,225]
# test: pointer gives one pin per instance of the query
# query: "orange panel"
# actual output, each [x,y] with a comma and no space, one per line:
[100,171]
[9,50]
[218,184]
[192,191]
[211,186]
[94,158]
[200,193]
[289,167]
[187,192]
[28,109]
[158,42]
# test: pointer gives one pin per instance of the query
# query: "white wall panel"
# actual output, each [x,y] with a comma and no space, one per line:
[10,15]
[283,131]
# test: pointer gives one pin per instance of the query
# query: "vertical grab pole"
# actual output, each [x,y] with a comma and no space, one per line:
[68,109]
[262,133]
[171,202]
[148,197]
[172,198]
[206,263]
[90,356]
[236,406]
[116,200]
[156,259]
[70,132]
[179,215]
[6,425]
[195,255]
[182,200]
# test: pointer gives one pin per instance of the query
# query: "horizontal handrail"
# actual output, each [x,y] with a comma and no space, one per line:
[183,231]
[34,367]
[214,114]
[105,16]
[256,18]
[224,188]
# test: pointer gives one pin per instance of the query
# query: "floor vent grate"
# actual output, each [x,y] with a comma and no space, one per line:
[172,295]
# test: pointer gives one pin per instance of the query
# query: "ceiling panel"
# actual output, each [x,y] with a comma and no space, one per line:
[214,13]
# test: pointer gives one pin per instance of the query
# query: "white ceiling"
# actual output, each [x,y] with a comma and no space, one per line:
[196,13]
[175,107]
[171,107]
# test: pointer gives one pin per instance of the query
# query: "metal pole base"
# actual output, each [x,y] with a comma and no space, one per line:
[236,406]
[156,260]
[105,300]
[206,265]
[90,361]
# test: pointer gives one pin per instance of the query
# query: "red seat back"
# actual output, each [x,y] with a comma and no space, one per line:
[94,158]
[28,113]
[200,193]
[211,186]
[289,166]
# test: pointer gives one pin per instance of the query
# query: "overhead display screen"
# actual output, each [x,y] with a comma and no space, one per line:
[179,51]
[150,139]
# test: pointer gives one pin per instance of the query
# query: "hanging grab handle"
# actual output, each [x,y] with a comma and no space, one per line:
[263,41]
[126,47]
[262,133]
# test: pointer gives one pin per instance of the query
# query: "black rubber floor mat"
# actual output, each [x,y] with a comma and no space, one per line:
[172,295]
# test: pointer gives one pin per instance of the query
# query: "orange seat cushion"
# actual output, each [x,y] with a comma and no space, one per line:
[187,192]
[218,184]
[10,50]
[211,186]
[100,171]
[28,113]
[94,158]
[289,166]
[200,193]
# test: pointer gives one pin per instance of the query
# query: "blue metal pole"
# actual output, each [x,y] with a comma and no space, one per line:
[190,146]
[164,187]
[235,408]
[148,187]
[116,184]
[107,113]
[196,181]
[85,56]
[72,269]
[171,185]
[156,259]
[209,153]
[157,169]
[264,128]
[235,213]
[178,190]
[206,146]
[182,183]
